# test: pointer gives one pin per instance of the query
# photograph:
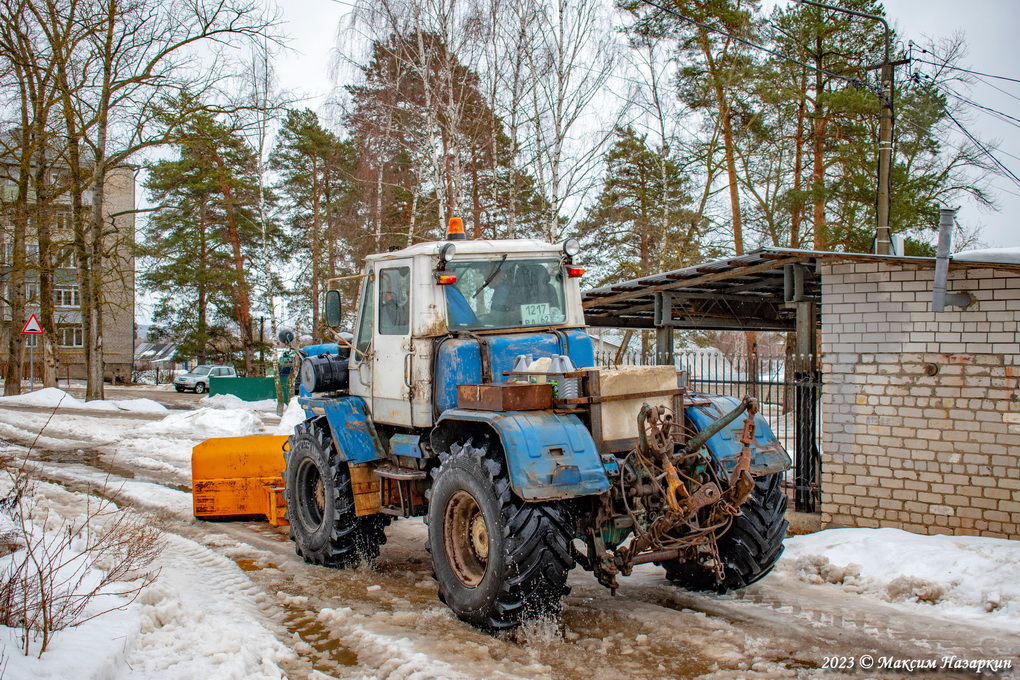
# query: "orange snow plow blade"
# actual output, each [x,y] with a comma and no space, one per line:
[239,477]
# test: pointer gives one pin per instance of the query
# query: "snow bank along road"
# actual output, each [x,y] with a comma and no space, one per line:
[233,601]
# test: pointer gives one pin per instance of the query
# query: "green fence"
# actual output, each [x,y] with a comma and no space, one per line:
[248,389]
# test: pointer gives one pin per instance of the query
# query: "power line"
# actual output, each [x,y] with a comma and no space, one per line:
[1000,115]
[1005,117]
[1008,94]
[856,82]
[963,70]
[978,144]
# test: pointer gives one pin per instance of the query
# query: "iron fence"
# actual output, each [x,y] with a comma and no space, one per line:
[788,389]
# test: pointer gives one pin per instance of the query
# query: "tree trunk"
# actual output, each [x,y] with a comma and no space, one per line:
[16,287]
[202,350]
[797,211]
[241,296]
[818,161]
[316,282]
[728,143]
[43,225]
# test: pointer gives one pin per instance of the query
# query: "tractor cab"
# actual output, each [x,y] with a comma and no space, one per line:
[428,313]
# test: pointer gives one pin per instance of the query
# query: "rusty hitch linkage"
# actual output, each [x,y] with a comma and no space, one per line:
[741,484]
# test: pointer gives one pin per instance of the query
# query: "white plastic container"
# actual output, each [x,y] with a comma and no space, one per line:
[568,388]
[540,365]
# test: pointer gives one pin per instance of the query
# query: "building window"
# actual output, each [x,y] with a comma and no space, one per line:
[31,253]
[65,257]
[66,296]
[62,221]
[31,293]
[71,336]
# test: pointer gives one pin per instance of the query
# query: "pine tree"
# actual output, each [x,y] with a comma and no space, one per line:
[641,222]
[318,184]
[199,239]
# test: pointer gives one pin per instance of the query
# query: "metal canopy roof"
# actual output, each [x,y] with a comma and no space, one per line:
[756,291]
[745,292]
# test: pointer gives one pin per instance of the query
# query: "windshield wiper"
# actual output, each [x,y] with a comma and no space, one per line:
[491,276]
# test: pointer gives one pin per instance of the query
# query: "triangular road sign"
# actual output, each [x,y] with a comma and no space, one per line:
[32,326]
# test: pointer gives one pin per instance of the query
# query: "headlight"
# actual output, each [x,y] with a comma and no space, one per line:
[571,247]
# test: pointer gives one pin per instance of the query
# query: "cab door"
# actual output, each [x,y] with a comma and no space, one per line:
[391,355]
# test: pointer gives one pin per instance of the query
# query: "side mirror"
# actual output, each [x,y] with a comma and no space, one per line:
[333,309]
[285,334]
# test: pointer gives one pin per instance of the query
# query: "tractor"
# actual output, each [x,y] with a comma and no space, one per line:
[468,395]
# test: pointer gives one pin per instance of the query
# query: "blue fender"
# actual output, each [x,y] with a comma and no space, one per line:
[549,456]
[352,429]
[767,453]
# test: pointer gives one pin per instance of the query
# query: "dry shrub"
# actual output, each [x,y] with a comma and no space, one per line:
[57,567]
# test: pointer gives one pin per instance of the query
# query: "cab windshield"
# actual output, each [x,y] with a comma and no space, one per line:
[505,293]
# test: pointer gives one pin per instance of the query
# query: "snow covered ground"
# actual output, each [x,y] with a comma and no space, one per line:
[233,601]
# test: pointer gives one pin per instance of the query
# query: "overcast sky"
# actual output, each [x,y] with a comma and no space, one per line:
[990,27]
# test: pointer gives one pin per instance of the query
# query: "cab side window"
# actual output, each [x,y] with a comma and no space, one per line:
[394,301]
[367,320]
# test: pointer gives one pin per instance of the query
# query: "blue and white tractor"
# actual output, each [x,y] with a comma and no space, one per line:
[468,394]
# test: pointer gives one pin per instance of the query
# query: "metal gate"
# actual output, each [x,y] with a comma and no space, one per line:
[788,388]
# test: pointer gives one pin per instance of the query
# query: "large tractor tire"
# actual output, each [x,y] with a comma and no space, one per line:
[499,561]
[749,548]
[320,504]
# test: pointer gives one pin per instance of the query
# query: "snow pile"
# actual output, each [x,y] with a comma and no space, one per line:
[966,576]
[208,422]
[230,401]
[51,397]
[293,415]
[202,619]
[140,405]
[54,527]
[992,255]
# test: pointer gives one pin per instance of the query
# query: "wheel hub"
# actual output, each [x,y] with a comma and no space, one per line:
[310,487]
[479,537]
[319,494]
[466,538]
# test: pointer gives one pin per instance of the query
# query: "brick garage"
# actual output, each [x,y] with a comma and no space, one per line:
[920,411]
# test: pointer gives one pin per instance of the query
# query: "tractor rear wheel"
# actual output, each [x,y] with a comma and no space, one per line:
[320,504]
[499,561]
[749,548]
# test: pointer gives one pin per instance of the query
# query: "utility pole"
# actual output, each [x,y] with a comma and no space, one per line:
[885,139]
[886,119]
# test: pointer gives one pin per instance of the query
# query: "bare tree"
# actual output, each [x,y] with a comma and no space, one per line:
[117,62]
[575,54]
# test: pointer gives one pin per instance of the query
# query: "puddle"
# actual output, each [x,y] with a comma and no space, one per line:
[626,646]
[97,461]
[253,565]
[327,651]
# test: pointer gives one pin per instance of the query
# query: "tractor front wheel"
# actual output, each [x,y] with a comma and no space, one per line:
[499,561]
[320,504]
[748,549]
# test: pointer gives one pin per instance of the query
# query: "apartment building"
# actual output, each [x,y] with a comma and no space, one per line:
[118,285]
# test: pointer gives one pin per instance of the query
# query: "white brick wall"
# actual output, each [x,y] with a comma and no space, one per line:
[901,447]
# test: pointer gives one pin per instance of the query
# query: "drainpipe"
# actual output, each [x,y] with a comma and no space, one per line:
[940,298]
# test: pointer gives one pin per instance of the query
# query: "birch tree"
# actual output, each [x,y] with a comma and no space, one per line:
[116,63]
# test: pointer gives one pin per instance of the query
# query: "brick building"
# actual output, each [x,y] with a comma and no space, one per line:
[921,410]
[118,285]
[912,417]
